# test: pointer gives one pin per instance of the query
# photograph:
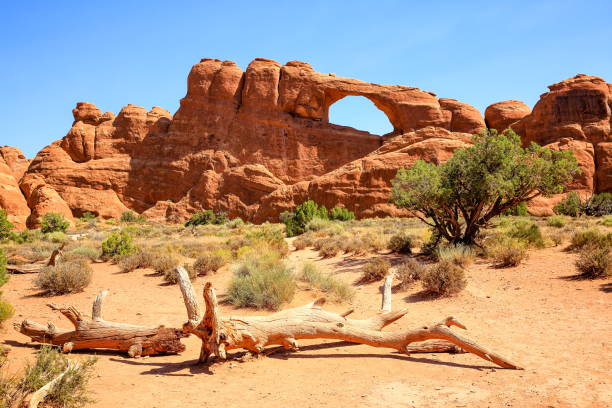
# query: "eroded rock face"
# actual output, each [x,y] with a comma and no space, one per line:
[501,115]
[11,198]
[258,142]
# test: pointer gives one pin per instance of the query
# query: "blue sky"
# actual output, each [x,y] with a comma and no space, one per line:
[114,53]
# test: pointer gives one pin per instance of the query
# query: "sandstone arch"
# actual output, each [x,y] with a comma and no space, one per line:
[360,105]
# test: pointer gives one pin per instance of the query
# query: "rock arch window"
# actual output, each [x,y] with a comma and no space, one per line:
[359,113]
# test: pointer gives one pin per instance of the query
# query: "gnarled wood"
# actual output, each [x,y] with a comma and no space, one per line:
[96,333]
[37,266]
[311,322]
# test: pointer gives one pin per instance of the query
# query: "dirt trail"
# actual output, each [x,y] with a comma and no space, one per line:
[558,329]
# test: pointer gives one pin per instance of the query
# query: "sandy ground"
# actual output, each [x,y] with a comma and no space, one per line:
[558,329]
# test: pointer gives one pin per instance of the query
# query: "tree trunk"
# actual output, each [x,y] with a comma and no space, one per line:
[100,334]
[37,266]
[284,328]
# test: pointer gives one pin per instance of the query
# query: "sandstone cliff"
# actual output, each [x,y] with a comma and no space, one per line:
[257,142]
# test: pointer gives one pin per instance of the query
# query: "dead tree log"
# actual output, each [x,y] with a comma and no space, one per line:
[96,333]
[284,328]
[37,266]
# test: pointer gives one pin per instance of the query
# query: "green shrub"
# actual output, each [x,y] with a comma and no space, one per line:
[207,217]
[25,236]
[590,238]
[57,237]
[131,216]
[70,392]
[64,278]
[341,214]
[236,223]
[401,243]
[520,210]
[5,226]
[164,263]
[86,252]
[341,291]
[571,205]
[295,222]
[460,255]
[443,279]
[557,221]
[528,232]
[6,310]
[4,275]
[375,270]
[409,272]
[118,244]
[270,236]
[53,222]
[598,205]
[261,281]
[508,253]
[304,241]
[317,224]
[211,262]
[595,262]
[607,221]
[88,217]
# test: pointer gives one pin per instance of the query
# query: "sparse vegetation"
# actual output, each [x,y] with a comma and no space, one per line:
[70,277]
[590,238]
[295,222]
[444,279]
[460,255]
[594,262]
[375,270]
[401,243]
[528,232]
[341,214]
[6,227]
[53,222]
[118,244]
[207,217]
[6,310]
[171,275]
[70,392]
[556,221]
[598,205]
[462,195]
[141,258]
[409,272]
[262,281]
[508,253]
[211,262]
[131,216]
[340,291]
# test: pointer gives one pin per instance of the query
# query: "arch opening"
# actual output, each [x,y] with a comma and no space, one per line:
[359,113]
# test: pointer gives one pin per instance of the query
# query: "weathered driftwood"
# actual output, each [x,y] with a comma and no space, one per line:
[253,333]
[37,266]
[96,333]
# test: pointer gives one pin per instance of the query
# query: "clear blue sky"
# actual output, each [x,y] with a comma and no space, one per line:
[113,53]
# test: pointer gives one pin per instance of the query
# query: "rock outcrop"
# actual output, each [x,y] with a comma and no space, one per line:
[12,167]
[258,142]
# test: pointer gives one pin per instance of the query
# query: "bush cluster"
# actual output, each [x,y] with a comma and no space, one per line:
[296,221]
[401,243]
[598,205]
[70,277]
[207,217]
[53,222]
[460,255]
[131,216]
[118,244]
[211,262]
[443,279]
[409,272]
[375,270]
[6,226]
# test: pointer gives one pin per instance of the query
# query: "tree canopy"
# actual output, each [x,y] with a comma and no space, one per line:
[496,173]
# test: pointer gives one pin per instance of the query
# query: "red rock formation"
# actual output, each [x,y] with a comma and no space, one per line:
[576,115]
[501,115]
[257,142]
[12,164]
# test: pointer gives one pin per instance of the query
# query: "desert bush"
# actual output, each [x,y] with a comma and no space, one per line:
[330,247]
[607,221]
[401,243]
[25,236]
[508,252]
[557,221]
[118,244]
[235,223]
[140,258]
[443,279]
[304,241]
[480,182]
[519,210]
[53,222]
[211,262]
[268,235]
[131,216]
[598,205]
[341,291]
[6,226]
[408,272]
[57,237]
[64,278]
[592,238]
[375,270]
[460,255]
[261,281]
[6,310]
[87,252]
[295,222]
[70,392]
[207,217]
[594,262]
[557,237]
[35,252]
[317,224]
[341,214]
[528,232]
[163,263]
[571,205]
